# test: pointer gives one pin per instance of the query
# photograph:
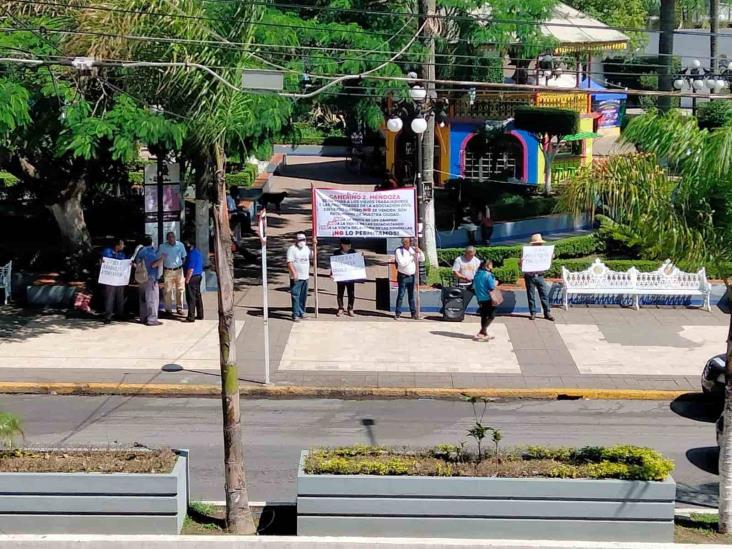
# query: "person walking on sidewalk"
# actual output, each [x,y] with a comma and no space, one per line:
[114,296]
[298,264]
[406,257]
[149,258]
[535,283]
[483,284]
[174,254]
[464,268]
[193,272]
[346,286]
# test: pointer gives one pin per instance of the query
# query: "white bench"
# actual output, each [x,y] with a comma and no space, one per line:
[667,280]
[6,275]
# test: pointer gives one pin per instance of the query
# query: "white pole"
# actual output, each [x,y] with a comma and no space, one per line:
[265,306]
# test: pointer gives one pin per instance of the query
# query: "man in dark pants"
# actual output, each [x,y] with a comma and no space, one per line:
[193,271]
[114,296]
[535,283]
[348,286]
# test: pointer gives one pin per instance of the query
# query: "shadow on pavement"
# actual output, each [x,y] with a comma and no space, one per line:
[706,458]
[697,406]
[705,495]
[452,335]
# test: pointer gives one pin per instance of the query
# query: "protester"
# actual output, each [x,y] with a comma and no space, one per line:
[239,221]
[486,225]
[483,283]
[535,283]
[346,286]
[464,269]
[173,253]
[114,296]
[406,257]
[193,272]
[150,259]
[298,264]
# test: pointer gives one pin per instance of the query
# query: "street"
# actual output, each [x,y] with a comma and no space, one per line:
[277,430]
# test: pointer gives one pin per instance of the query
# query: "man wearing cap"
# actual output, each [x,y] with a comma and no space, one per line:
[535,282]
[298,264]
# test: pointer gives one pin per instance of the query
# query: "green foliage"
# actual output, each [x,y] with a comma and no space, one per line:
[509,272]
[14,108]
[10,428]
[136,178]
[714,114]
[244,178]
[7,180]
[546,121]
[479,431]
[624,14]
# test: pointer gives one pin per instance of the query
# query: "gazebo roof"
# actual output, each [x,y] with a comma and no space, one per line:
[569,27]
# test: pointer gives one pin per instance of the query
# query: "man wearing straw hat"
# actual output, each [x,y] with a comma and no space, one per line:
[535,283]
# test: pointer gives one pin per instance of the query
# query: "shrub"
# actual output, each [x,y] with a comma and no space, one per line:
[714,114]
[136,178]
[545,120]
[244,178]
[7,180]
[10,428]
[509,272]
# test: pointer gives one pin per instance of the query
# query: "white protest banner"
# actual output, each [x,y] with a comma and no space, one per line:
[348,267]
[537,259]
[115,272]
[379,214]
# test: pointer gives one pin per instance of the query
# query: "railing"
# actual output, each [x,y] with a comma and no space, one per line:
[490,106]
[564,168]
[578,102]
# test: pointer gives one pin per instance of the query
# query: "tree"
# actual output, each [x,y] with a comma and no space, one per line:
[549,127]
[623,14]
[686,215]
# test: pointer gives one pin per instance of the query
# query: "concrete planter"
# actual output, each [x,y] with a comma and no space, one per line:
[95,503]
[481,508]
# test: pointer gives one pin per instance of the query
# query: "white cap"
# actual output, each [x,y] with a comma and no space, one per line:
[301,236]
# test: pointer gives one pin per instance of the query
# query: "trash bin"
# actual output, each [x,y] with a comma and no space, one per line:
[453,304]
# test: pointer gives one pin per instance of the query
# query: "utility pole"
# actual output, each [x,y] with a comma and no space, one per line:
[665,52]
[427,11]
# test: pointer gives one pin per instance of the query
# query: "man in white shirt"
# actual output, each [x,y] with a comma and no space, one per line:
[406,258]
[464,269]
[298,264]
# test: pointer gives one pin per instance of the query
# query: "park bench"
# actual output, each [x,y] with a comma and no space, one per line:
[667,280]
[6,274]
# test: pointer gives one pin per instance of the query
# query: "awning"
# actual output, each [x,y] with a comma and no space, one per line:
[576,31]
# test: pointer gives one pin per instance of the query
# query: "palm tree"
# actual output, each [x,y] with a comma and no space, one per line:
[218,115]
[676,200]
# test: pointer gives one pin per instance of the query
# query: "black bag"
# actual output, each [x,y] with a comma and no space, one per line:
[453,304]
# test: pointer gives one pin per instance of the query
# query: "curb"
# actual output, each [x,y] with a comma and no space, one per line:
[344,393]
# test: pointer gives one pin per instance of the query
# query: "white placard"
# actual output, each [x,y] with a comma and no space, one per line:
[115,272]
[348,267]
[537,259]
[377,214]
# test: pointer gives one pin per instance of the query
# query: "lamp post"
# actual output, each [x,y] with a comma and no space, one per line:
[699,79]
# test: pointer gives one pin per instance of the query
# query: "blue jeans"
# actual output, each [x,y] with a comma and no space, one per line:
[535,283]
[299,292]
[406,283]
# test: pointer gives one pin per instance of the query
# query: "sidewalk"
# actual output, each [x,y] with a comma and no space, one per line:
[596,348]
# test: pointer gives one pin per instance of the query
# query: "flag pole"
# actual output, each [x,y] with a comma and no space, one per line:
[315,247]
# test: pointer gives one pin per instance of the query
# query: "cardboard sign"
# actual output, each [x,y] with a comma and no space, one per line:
[537,259]
[377,214]
[115,272]
[348,267]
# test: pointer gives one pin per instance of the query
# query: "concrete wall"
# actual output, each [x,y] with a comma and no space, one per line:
[91,503]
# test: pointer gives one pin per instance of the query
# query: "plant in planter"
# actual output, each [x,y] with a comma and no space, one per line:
[10,429]
[479,431]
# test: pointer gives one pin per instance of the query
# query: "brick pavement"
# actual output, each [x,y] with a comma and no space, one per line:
[601,347]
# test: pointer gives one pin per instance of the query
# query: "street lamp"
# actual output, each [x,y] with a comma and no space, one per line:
[698,79]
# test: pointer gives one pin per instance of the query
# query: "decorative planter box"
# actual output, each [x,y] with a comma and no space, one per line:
[481,508]
[95,503]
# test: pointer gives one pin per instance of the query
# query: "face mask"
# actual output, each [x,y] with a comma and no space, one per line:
[301,244]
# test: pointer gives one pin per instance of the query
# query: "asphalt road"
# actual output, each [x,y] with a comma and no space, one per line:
[277,430]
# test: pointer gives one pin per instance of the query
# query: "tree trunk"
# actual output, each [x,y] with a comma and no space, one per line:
[238,515]
[548,158]
[69,216]
[665,52]
[427,214]
[203,178]
[725,448]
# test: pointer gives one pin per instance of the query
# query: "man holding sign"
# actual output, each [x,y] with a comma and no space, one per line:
[536,259]
[114,275]
[346,266]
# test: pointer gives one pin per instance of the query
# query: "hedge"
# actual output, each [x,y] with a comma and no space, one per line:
[244,178]
[575,246]
[508,273]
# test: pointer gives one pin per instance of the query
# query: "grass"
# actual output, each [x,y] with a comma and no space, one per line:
[204,519]
[700,528]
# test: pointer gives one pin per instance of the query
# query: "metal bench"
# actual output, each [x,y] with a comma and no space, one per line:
[598,279]
[667,280]
[6,275]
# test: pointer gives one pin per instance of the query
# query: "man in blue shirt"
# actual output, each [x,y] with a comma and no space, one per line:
[149,292]
[114,296]
[174,254]
[193,270]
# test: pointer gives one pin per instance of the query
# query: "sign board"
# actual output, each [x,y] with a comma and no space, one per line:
[115,272]
[260,79]
[356,214]
[172,200]
[348,267]
[536,259]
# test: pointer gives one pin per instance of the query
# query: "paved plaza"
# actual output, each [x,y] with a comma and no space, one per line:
[587,347]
